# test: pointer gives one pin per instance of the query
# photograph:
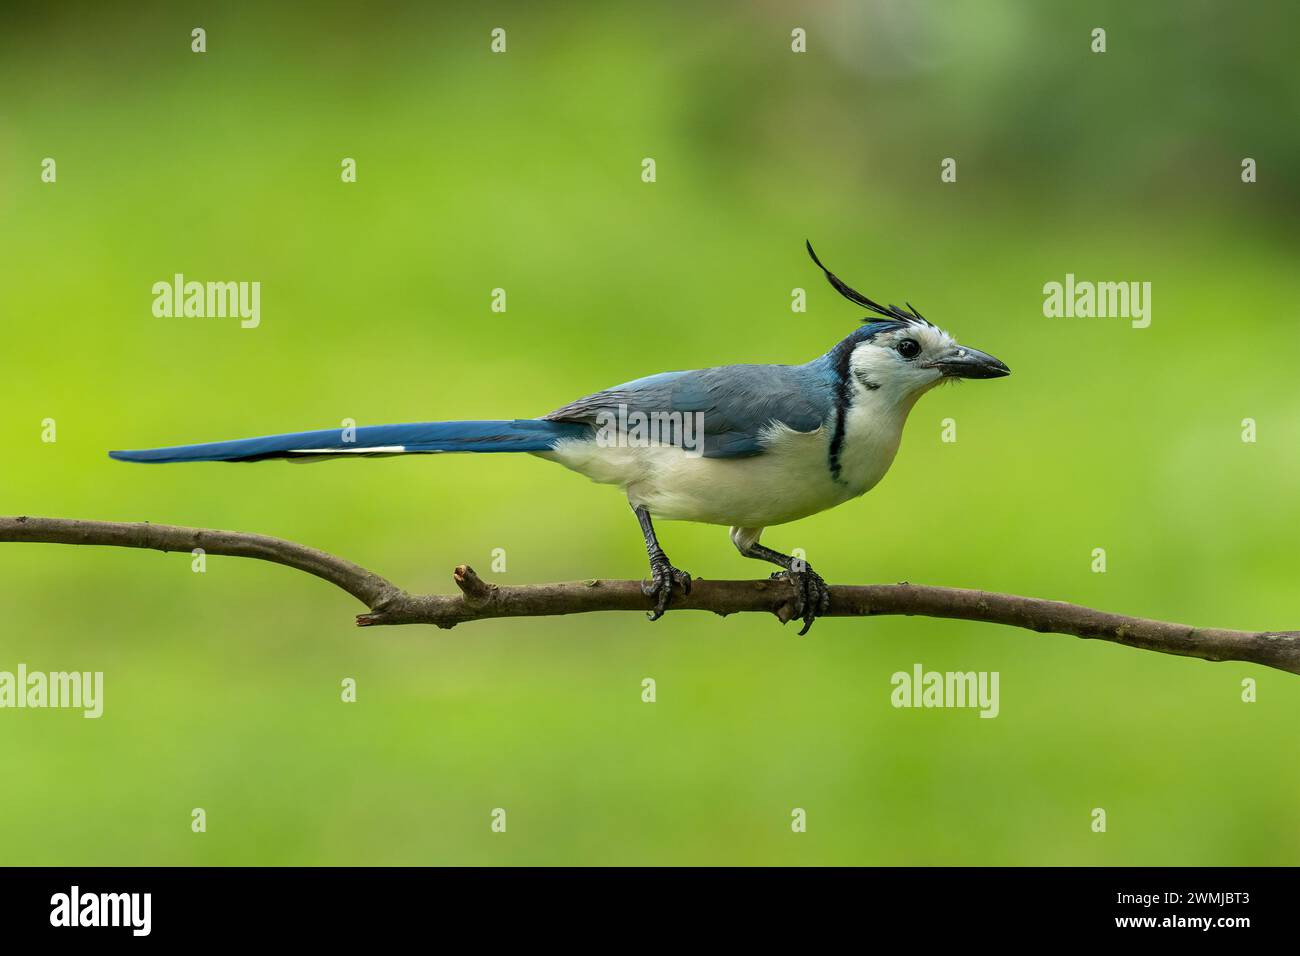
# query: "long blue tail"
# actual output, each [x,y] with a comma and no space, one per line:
[523,434]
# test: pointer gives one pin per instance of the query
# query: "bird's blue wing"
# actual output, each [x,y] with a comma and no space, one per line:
[736,402]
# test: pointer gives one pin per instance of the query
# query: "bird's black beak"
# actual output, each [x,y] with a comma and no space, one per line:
[961,362]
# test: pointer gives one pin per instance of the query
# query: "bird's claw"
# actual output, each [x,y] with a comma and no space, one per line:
[812,595]
[663,576]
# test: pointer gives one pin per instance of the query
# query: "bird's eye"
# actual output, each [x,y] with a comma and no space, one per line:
[908,348]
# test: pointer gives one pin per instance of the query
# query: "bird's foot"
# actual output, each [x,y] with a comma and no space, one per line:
[812,595]
[663,576]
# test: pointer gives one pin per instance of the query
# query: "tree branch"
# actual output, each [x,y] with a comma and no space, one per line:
[478,600]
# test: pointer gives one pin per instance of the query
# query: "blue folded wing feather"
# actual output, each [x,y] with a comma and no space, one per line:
[737,402]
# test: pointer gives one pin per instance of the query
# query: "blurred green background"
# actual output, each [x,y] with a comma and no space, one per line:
[522,171]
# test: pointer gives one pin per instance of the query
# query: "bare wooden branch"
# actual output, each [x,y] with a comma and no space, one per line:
[479,600]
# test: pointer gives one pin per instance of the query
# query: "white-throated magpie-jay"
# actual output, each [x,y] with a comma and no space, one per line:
[745,446]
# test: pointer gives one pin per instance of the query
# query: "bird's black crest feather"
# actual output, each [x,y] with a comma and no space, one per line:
[907,316]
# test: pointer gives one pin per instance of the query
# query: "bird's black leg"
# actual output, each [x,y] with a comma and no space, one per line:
[811,594]
[662,574]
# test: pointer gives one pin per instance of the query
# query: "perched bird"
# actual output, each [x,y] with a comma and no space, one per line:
[744,446]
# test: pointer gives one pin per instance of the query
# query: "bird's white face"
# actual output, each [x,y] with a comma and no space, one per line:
[902,364]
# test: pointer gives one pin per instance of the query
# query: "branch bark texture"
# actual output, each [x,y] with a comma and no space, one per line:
[479,600]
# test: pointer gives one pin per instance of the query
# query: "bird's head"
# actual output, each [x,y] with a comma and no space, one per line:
[902,353]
